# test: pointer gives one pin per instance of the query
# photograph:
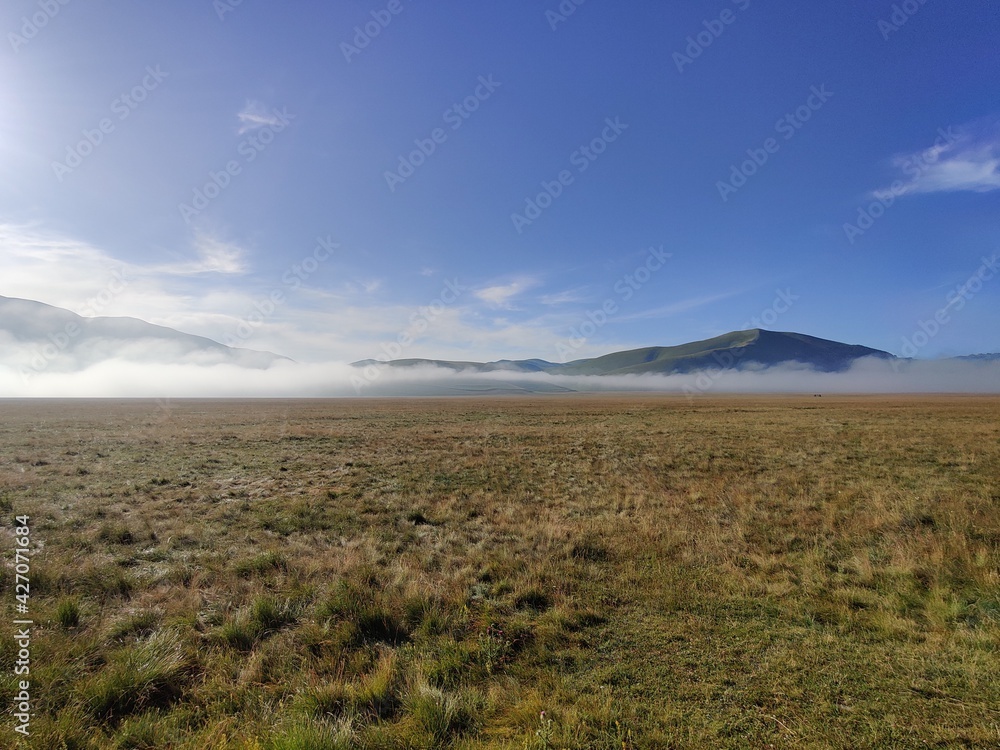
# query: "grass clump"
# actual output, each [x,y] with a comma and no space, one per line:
[136,625]
[150,674]
[380,693]
[441,716]
[311,735]
[117,533]
[104,582]
[68,614]
[266,562]
[372,615]
[261,619]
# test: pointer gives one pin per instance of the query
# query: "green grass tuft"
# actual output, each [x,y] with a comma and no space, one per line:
[150,674]
[68,614]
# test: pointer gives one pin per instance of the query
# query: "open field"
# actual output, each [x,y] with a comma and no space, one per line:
[736,572]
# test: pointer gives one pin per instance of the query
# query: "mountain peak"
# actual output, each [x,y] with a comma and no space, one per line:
[733,350]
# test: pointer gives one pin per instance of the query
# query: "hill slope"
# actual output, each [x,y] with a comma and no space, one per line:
[40,336]
[731,350]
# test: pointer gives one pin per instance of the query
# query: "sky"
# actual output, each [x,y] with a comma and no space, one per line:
[476,181]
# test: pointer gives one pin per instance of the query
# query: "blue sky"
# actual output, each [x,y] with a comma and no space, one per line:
[486,180]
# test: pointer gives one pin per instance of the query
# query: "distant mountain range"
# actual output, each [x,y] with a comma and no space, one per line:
[36,337]
[994,357]
[57,340]
[755,348]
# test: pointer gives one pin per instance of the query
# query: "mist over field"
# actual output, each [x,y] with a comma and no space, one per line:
[122,378]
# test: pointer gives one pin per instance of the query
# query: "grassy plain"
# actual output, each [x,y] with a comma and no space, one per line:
[649,572]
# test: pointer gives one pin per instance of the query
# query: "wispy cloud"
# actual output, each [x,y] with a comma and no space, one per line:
[214,255]
[500,295]
[255,115]
[67,272]
[964,159]
[218,256]
[566,297]
[677,307]
[41,265]
[212,286]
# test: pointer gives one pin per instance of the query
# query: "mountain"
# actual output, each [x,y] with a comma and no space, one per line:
[40,337]
[501,365]
[991,357]
[739,349]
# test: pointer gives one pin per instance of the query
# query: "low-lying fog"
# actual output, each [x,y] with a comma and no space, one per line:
[123,378]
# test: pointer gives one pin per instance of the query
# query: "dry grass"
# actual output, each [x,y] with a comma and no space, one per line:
[649,573]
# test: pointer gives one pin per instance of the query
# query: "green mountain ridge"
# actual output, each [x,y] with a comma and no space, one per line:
[756,347]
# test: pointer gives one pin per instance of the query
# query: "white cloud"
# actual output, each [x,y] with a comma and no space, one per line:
[499,295]
[190,294]
[214,291]
[676,307]
[218,256]
[255,115]
[61,271]
[214,256]
[565,297]
[965,159]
